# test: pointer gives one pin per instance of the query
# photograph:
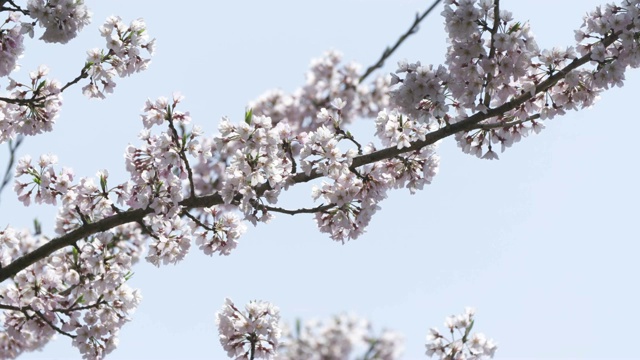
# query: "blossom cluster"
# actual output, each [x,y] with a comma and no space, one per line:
[327,79]
[79,292]
[161,178]
[250,334]
[258,333]
[469,346]
[48,185]
[259,160]
[123,55]
[35,107]
[351,207]
[354,194]
[222,235]
[341,337]
[493,61]
[157,168]
[495,87]
[61,19]
[11,43]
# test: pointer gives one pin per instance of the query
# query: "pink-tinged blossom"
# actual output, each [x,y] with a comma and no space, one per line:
[341,337]
[395,129]
[422,92]
[286,138]
[171,240]
[258,159]
[42,181]
[123,55]
[252,333]
[61,19]
[81,292]
[217,232]
[36,107]
[11,43]
[485,69]
[461,343]
[327,80]
[157,167]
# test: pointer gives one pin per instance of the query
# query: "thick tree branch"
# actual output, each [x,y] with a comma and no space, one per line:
[14,7]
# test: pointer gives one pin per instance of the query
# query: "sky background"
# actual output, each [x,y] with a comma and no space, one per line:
[543,242]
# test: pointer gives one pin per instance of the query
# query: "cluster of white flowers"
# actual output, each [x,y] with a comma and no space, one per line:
[341,337]
[123,55]
[35,108]
[11,43]
[220,234]
[495,87]
[421,93]
[493,60]
[250,334]
[395,129]
[327,79]
[469,346]
[351,209]
[157,168]
[42,179]
[61,19]
[259,164]
[79,292]
[32,108]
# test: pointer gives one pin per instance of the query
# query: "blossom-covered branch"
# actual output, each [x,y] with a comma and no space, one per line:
[495,87]
[258,333]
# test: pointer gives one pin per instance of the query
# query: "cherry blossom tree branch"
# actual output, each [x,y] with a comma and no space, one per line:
[25,311]
[13,147]
[84,73]
[71,238]
[390,50]
[473,120]
[136,215]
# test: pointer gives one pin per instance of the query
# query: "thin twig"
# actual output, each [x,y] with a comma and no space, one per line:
[197,221]
[504,125]
[388,51]
[13,148]
[25,310]
[492,50]
[178,141]
[83,74]
[57,329]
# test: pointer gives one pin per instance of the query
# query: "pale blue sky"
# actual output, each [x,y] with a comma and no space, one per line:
[542,242]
